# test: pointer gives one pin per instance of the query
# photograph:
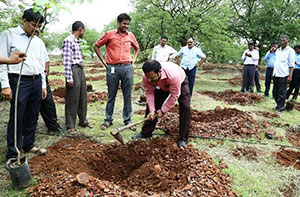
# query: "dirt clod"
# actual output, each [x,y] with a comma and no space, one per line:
[54,82]
[250,153]
[288,158]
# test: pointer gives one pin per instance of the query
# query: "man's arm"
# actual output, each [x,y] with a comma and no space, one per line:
[100,56]
[244,56]
[100,42]
[15,58]
[67,59]
[255,55]
[172,53]
[267,56]
[291,61]
[175,91]
[149,90]
[136,47]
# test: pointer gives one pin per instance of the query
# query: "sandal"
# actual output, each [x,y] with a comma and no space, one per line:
[88,125]
[72,131]
[38,151]
[105,125]
[132,128]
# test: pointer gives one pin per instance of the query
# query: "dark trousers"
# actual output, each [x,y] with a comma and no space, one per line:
[295,83]
[269,72]
[184,111]
[29,102]
[248,77]
[76,99]
[191,74]
[256,80]
[114,74]
[280,87]
[48,110]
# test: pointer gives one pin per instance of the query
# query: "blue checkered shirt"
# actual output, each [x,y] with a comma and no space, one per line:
[71,55]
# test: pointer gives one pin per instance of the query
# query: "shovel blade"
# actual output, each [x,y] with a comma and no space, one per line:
[117,136]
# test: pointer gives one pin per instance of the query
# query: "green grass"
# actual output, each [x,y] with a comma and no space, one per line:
[250,178]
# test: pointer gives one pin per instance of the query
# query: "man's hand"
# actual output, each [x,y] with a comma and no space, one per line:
[289,79]
[7,93]
[44,93]
[151,116]
[159,114]
[16,57]
[70,84]
[248,54]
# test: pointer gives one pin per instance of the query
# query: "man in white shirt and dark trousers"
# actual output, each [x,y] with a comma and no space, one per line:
[32,87]
[163,52]
[283,71]
[249,58]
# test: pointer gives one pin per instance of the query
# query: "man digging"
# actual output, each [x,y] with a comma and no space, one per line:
[162,81]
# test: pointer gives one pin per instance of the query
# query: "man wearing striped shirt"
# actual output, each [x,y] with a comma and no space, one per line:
[76,94]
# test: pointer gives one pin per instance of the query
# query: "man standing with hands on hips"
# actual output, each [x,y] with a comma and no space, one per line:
[119,66]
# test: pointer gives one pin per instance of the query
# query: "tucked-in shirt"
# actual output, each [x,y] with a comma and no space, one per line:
[162,54]
[171,79]
[285,59]
[297,62]
[270,58]
[250,60]
[190,57]
[15,39]
[118,46]
[71,55]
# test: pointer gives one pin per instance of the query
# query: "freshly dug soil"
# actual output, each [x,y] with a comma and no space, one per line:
[140,112]
[211,72]
[250,153]
[227,122]
[267,114]
[94,70]
[97,78]
[139,168]
[55,82]
[293,135]
[232,97]
[56,63]
[288,158]
[57,73]
[95,65]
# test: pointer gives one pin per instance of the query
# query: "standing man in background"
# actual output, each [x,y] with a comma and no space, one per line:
[76,95]
[190,61]
[249,58]
[119,66]
[283,71]
[295,83]
[163,52]
[270,58]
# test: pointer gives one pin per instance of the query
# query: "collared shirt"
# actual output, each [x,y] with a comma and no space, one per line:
[285,59]
[163,54]
[118,46]
[171,79]
[190,57]
[71,55]
[270,57]
[15,39]
[297,62]
[250,60]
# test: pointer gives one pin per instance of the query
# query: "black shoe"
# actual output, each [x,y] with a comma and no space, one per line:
[139,136]
[259,91]
[181,143]
[243,91]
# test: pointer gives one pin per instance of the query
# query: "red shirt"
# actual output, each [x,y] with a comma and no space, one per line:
[118,46]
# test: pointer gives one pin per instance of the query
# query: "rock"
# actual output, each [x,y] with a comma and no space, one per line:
[83,178]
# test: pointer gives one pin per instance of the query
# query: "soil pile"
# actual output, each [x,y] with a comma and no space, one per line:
[94,70]
[232,97]
[57,73]
[96,96]
[293,135]
[95,65]
[55,82]
[227,122]
[140,168]
[288,158]
[59,95]
[267,114]
[96,78]
[56,63]
[236,81]
[250,153]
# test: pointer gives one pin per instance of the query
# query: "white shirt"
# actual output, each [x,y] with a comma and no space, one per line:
[250,60]
[15,39]
[162,54]
[285,59]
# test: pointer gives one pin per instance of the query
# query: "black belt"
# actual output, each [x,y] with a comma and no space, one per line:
[32,77]
[249,64]
[80,66]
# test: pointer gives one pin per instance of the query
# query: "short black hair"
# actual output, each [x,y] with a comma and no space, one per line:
[250,44]
[274,42]
[29,15]
[164,37]
[77,25]
[151,65]
[297,46]
[123,16]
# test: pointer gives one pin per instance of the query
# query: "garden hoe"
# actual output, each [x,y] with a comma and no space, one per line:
[117,132]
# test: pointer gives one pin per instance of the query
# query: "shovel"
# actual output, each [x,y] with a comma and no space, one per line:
[116,133]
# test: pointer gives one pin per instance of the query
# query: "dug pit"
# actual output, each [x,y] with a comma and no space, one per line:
[288,158]
[140,168]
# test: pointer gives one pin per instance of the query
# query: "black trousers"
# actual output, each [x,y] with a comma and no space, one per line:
[280,86]
[295,83]
[29,102]
[184,111]
[256,80]
[48,110]
[269,73]
[248,77]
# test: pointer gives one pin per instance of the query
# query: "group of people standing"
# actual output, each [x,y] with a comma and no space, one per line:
[283,64]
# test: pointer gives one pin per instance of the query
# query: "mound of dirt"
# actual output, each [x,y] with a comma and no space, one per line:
[55,82]
[57,73]
[56,63]
[250,153]
[140,112]
[236,81]
[267,114]
[140,168]
[96,78]
[227,122]
[293,135]
[94,70]
[288,158]
[95,65]
[232,97]
[211,72]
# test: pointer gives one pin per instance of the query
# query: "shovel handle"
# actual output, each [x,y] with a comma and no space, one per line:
[117,130]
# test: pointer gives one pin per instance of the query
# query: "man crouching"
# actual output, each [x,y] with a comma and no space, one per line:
[160,82]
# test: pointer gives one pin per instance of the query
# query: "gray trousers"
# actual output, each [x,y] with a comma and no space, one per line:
[114,74]
[76,99]
[248,77]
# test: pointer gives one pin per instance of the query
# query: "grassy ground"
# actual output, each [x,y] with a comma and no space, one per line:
[250,178]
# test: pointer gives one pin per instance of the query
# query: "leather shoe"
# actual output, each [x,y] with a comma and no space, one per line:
[139,136]
[182,143]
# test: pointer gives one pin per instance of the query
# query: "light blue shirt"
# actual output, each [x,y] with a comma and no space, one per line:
[270,58]
[297,65]
[190,57]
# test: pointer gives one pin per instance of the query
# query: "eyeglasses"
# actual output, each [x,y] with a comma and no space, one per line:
[35,25]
